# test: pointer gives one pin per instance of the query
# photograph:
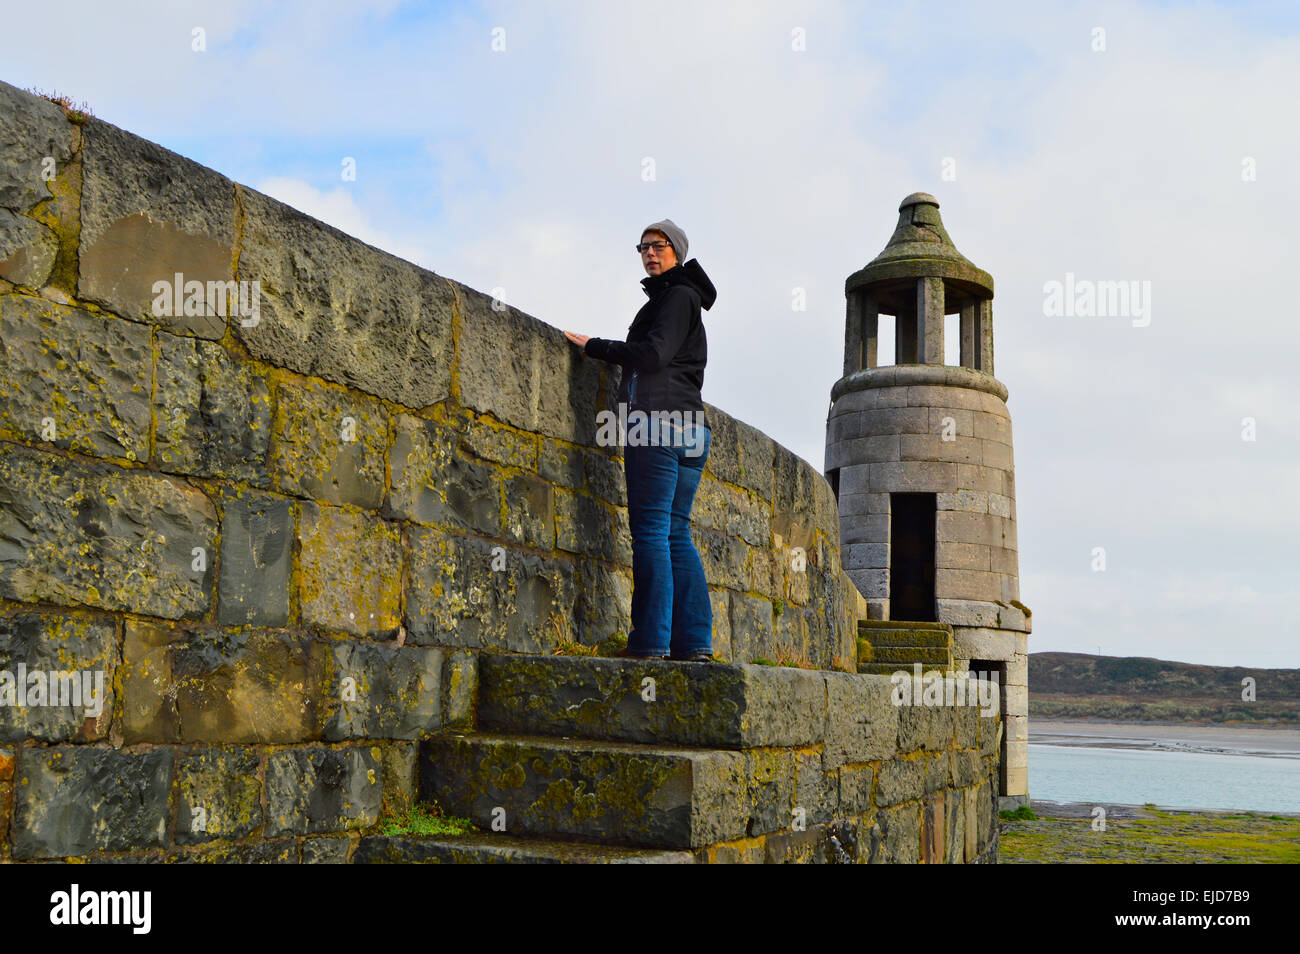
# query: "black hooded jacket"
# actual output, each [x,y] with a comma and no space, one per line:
[666,349]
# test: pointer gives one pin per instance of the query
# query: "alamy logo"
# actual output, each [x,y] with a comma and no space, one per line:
[936,688]
[638,428]
[1085,298]
[57,687]
[221,299]
[102,907]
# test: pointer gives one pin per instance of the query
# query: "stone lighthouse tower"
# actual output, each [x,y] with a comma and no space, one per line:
[919,454]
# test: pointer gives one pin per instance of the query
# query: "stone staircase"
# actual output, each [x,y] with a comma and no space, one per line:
[607,760]
[887,646]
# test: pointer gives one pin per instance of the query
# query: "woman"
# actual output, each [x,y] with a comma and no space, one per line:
[663,370]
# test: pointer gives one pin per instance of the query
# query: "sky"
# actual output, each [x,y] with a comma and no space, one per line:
[522,147]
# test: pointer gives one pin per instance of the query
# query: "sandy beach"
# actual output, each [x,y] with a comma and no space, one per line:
[1281,742]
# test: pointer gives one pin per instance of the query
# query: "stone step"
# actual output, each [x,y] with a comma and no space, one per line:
[888,669]
[504,849]
[706,705]
[930,634]
[621,793]
[906,655]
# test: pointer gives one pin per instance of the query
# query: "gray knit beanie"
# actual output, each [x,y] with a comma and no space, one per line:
[675,236]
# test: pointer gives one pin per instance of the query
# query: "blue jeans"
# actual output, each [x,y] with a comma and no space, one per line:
[670,596]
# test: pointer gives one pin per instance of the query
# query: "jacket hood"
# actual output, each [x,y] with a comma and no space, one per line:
[689,274]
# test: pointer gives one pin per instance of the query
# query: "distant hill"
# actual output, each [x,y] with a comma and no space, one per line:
[1140,689]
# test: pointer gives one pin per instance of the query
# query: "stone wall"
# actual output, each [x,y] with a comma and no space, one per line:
[283,534]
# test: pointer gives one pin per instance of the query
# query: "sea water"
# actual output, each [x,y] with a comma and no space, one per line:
[1127,776]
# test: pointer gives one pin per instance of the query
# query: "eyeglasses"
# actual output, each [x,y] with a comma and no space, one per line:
[657,246]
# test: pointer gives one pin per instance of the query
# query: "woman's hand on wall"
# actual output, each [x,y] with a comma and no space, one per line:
[579,340]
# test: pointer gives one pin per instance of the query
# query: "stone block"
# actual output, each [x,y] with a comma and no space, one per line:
[967,613]
[967,723]
[968,584]
[219,795]
[500,444]
[588,526]
[28,250]
[104,537]
[993,426]
[974,501]
[965,768]
[147,215]
[325,851]
[31,129]
[472,594]
[460,682]
[896,836]
[351,571]
[861,721]
[336,308]
[605,478]
[866,556]
[1017,728]
[956,526]
[1002,560]
[64,692]
[256,546]
[329,445]
[980,478]
[900,780]
[1017,699]
[669,798]
[855,788]
[853,478]
[788,634]
[432,484]
[603,604]
[378,692]
[947,398]
[740,454]
[871,528]
[747,516]
[523,372]
[73,379]
[990,741]
[932,447]
[970,824]
[251,686]
[399,776]
[720,605]
[925,726]
[962,556]
[771,778]
[981,643]
[1001,506]
[913,477]
[724,558]
[995,454]
[933,838]
[74,800]
[752,633]
[530,512]
[957,422]
[315,790]
[872,583]
[699,705]
[1018,780]
[563,464]
[816,790]
[892,421]
[213,413]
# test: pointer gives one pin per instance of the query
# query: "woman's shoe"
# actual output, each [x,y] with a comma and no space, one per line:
[693,657]
[624,654]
